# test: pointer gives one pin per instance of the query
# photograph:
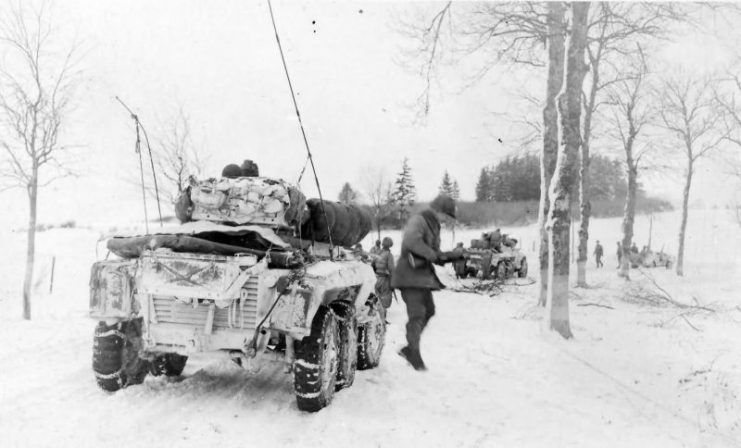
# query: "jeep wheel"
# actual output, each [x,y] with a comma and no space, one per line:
[522,272]
[317,363]
[348,342]
[371,338]
[168,364]
[116,361]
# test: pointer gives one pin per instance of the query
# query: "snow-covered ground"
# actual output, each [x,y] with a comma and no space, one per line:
[635,373]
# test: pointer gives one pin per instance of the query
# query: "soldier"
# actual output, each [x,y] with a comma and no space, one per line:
[383,265]
[415,275]
[598,252]
[376,250]
[619,252]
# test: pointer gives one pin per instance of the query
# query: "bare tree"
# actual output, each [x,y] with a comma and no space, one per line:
[377,189]
[556,53]
[177,157]
[614,29]
[564,178]
[631,112]
[690,114]
[37,86]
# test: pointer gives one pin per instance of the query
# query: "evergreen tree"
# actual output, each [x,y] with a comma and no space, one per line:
[446,186]
[456,192]
[347,194]
[404,193]
[483,186]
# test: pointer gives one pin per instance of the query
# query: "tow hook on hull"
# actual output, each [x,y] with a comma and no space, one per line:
[250,359]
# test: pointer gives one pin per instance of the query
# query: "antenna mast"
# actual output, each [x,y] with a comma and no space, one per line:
[303,132]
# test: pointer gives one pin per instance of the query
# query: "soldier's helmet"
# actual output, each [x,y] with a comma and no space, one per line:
[444,204]
[387,242]
[250,169]
[231,171]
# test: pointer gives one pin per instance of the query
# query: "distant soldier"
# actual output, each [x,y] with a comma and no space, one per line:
[383,265]
[634,248]
[598,252]
[376,250]
[619,252]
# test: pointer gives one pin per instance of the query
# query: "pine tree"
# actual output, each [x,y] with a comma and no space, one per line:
[404,193]
[456,192]
[446,185]
[347,194]
[483,186]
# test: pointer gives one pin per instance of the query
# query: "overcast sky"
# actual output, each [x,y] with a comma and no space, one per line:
[220,62]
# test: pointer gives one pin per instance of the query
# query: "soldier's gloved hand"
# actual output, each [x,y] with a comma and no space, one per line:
[441,259]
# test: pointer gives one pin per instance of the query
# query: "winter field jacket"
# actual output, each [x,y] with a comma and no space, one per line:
[422,239]
[383,264]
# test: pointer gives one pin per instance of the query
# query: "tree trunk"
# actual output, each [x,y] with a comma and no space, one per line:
[683,224]
[378,223]
[585,206]
[550,132]
[559,217]
[31,244]
[630,211]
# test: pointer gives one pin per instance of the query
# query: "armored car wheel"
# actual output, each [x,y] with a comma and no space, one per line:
[371,338]
[168,364]
[116,361]
[317,363]
[348,327]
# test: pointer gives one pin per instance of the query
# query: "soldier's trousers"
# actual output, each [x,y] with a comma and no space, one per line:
[420,309]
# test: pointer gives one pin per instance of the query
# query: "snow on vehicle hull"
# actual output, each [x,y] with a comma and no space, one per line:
[197,302]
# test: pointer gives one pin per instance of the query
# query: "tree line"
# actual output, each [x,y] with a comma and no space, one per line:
[517,178]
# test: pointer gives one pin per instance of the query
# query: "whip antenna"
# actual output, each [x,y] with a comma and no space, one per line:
[303,132]
[139,125]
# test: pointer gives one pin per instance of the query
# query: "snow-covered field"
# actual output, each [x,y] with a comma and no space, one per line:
[636,373]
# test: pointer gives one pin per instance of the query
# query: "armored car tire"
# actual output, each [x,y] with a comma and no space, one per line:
[116,361]
[371,337]
[168,364]
[317,363]
[348,332]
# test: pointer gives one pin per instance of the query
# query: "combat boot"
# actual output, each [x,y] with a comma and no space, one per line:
[413,357]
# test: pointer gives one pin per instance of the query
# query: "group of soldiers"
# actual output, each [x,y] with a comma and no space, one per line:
[599,252]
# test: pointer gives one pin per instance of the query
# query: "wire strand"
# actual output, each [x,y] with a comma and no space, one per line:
[303,132]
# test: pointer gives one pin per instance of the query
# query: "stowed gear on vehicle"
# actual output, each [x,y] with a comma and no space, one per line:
[251,276]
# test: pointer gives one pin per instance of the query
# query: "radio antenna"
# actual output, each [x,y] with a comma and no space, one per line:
[303,132]
[139,125]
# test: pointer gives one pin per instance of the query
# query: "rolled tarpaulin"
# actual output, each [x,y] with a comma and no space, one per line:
[348,224]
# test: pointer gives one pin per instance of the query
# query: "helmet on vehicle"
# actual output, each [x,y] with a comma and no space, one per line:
[231,171]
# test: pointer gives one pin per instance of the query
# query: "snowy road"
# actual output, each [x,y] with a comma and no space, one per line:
[493,381]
